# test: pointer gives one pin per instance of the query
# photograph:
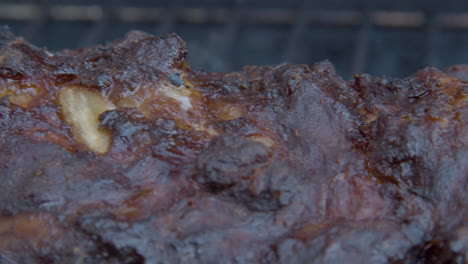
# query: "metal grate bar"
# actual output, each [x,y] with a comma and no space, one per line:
[297,33]
[400,19]
[362,46]
[225,47]
[432,30]
[169,20]
[335,18]
[32,31]
[454,20]
[75,13]
[136,14]
[20,11]
[94,35]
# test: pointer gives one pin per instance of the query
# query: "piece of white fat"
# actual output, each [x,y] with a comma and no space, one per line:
[81,109]
[179,94]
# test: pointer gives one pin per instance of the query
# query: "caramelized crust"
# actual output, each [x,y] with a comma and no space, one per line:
[123,154]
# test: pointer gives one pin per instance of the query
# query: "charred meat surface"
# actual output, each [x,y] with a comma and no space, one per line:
[122,154]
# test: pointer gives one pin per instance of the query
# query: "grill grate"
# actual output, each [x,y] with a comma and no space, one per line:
[224,38]
[362,45]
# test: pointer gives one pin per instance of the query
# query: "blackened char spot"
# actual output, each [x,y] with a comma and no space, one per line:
[246,171]
[131,133]
[231,160]
[100,251]
[432,252]
[64,78]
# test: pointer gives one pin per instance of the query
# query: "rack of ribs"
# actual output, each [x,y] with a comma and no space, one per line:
[121,153]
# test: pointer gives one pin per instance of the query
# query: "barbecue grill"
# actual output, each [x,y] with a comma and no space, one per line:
[384,38]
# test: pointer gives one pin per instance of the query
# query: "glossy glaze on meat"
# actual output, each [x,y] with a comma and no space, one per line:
[123,154]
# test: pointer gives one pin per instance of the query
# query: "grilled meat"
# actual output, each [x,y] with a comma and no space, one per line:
[123,154]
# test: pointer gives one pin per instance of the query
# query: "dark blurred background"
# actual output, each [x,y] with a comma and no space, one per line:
[393,38]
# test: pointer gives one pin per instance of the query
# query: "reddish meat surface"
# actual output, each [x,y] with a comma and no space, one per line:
[123,154]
